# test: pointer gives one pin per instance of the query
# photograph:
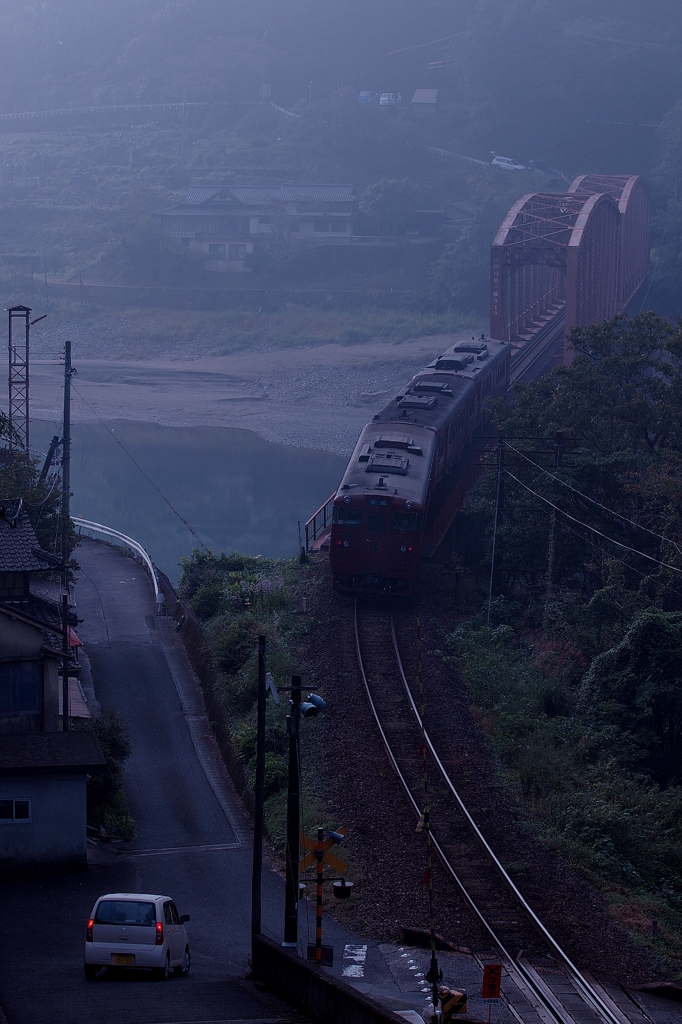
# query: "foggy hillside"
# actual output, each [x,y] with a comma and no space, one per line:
[543,77]
[584,86]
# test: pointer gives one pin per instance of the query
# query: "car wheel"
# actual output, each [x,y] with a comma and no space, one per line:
[90,971]
[163,973]
[183,968]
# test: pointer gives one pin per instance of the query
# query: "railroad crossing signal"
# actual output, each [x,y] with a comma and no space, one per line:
[328,858]
[492,975]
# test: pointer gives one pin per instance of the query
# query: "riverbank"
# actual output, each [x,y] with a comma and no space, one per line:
[317,396]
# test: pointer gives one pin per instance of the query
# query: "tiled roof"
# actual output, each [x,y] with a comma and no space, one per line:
[265,195]
[255,196]
[320,193]
[17,542]
[41,612]
[199,194]
[38,752]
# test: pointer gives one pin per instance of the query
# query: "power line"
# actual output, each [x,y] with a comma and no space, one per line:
[594,501]
[592,529]
[145,475]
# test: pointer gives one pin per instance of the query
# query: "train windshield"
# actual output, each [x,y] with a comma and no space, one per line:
[405,521]
[347,516]
[376,522]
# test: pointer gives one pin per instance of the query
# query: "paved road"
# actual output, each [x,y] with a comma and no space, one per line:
[193,843]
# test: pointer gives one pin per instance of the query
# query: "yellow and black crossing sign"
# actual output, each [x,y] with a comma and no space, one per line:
[451,1002]
[328,858]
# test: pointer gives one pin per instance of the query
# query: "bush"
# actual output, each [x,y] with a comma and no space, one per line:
[208,601]
[105,797]
[234,643]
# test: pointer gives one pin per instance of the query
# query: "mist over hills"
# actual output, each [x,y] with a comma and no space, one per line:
[586,86]
[540,78]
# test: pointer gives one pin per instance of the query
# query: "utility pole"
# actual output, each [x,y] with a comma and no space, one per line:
[293,818]
[259,798]
[55,42]
[499,505]
[434,974]
[551,552]
[184,129]
[66,488]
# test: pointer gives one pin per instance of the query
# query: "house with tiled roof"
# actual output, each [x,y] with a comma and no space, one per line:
[30,631]
[43,769]
[228,224]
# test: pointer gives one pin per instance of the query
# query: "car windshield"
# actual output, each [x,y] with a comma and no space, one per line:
[125,912]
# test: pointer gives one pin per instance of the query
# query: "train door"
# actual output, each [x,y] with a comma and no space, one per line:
[376,541]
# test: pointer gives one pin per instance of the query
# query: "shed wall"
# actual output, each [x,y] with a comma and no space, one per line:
[56,833]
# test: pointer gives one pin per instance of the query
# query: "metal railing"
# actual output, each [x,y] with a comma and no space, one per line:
[318,523]
[114,536]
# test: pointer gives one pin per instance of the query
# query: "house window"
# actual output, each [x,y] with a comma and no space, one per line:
[237,252]
[13,586]
[20,687]
[321,224]
[217,250]
[338,224]
[15,810]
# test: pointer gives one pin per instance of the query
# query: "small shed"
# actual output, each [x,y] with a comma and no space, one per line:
[42,796]
[425,101]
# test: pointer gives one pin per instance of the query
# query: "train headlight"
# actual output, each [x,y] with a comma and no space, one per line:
[345,543]
[403,549]
[346,499]
[408,504]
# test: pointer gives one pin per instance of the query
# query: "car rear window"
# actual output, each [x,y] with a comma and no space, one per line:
[126,912]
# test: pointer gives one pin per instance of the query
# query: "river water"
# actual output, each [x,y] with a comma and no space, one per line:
[236,490]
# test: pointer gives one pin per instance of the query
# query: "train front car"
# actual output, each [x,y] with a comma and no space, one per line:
[406,461]
[378,511]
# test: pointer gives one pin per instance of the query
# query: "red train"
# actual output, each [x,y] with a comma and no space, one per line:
[410,452]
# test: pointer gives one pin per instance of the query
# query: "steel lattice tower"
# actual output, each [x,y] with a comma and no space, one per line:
[18,381]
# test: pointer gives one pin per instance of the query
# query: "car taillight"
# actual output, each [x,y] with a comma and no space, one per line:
[159,933]
[88,937]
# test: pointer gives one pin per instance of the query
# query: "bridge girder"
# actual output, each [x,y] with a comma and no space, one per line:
[586,250]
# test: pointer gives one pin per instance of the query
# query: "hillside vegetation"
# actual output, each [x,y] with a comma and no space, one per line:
[578,677]
[585,87]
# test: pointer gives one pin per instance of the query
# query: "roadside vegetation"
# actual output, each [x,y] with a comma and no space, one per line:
[578,678]
[108,813]
[236,598]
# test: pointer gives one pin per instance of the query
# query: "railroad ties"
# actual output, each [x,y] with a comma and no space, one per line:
[540,985]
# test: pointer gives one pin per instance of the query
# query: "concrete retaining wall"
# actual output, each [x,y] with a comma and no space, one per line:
[322,998]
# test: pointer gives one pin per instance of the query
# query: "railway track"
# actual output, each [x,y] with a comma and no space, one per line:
[564,996]
[535,358]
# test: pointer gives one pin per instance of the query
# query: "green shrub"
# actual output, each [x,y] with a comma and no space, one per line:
[276,772]
[208,601]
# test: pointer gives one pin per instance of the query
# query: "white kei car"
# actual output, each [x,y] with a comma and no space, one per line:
[506,164]
[131,929]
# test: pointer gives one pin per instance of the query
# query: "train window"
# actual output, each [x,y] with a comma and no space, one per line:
[405,521]
[376,522]
[347,516]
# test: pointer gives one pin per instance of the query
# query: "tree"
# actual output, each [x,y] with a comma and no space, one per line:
[41,500]
[633,693]
[387,200]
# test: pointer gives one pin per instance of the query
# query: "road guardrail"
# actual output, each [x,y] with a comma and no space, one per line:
[115,536]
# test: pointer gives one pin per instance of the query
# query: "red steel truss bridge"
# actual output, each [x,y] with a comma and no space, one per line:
[562,260]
